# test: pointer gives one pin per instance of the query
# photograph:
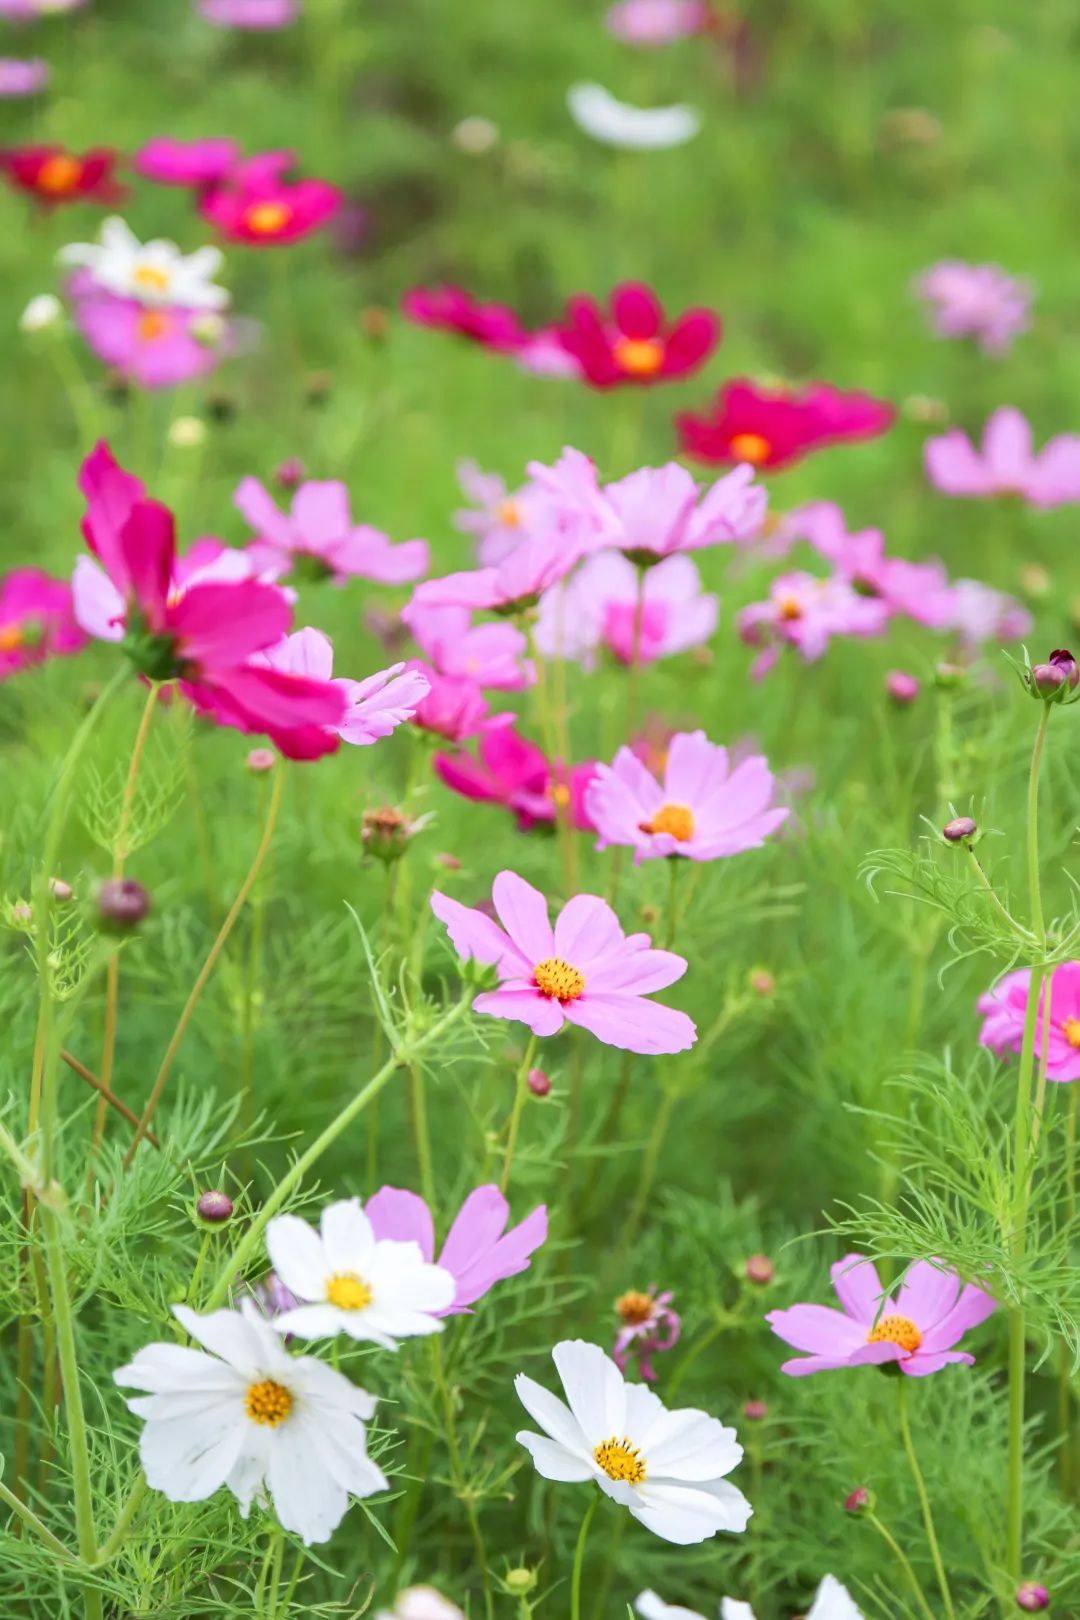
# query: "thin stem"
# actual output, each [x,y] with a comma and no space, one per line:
[924,1499]
[457,1470]
[418,1103]
[109,1097]
[579,1558]
[521,1092]
[30,1518]
[124,1519]
[674,865]
[252,975]
[903,1560]
[564,821]
[207,969]
[653,1150]
[1003,911]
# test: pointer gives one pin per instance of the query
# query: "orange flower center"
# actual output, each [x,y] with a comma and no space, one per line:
[1070,1027]
[150,277]
[557,980]
[641,357]
[267,218]
[620,1460]
[674,819]
[509,514]
[751,447]
[11,637]
[152,325]
[268,1403]
[560,795]
[59,174]
[899,1330]
[634,1307]
[789,607]
[348,1291]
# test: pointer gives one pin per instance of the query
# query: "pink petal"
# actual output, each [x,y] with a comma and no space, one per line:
[523,912]
[403,1217]
[858,1288]
[633,1024]
[224,624]
[474,935]
[542,1015]
[817,1328]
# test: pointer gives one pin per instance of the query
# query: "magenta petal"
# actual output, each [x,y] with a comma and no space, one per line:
[478,1254]
[921,1366]
[147,543]
[637,311]
[402,1217]
[219,625]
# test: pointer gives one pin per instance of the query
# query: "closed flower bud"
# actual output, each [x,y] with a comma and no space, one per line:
[901,687]
[290,473]
[214,1206]
[859,1500]
[949,676]
[208,329]
[759,1269]
[519,1581]
[960,830]
[449,863]
[538,1083]
[41,313]
[60,891]
[755,1411]
[1047,681]
[22,913]
[385,833]
[762,982]
[1032,1598]
[122,903]
[261,760]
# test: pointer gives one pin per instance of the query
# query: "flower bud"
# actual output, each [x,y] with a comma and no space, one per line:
[214,1206]
[538,1083]
[22,913]
[759,1269]
[755,1411]
[261,760]
[122,903]
[859,1500]
[761,982]
[960,830]
[948,676]
[289,473]
[1032,1598]
[519,1581]
[385,833]
[40,313]
[208,328]
[61,892]
[375,323]
[901,687]
[187,432]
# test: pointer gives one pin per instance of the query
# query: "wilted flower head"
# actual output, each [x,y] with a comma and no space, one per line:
[648,1326]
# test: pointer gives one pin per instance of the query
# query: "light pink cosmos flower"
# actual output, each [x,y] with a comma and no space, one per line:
[512,586]
[37,620]
[22,77]
[976,300]
[980,614]
[318,539]
[656,22]
[152,348]
[661,510]
[598,606]
[805,612]
[454,707]
[702,810]
[498,518]
[478,1252]
[263,16]
[585,971]
[1006,464]
[649,1327]
[492,655]
[917,1330]
[24,10]
[510,770]
[1004,1008]
[197,163]
[918,590]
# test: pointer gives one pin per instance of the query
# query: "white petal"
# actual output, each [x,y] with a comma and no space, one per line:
[553,1415]
[298,1257]
[328,1390]
[599,114]
[249,1472]
[686,1514]
[348,1241]
[652,1607]
[306,1499]
[834,1602]
[174,1367]
[594,1387]
[551,1461]
[732,1610]
[189,1460]
[688,1445]
[228,1334]
[311,1321]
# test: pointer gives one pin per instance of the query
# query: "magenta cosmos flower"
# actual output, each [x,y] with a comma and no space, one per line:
[513,585]
[478,1252]
[975,300]
[632,341]
[451,309]
[1004,1008]
[639,617]
[773,427]
[917,1330]
[805,612]
[919,590]
[658,511]
[317,539]
[511,771]
[37,620]
[703,809]
[201,162]
[493,655]
[585,971]
[1006,464]
[254,203]
[260,16]
[157,347]
[656,22]
[455,707]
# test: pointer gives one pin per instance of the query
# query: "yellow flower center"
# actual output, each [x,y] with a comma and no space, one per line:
[634,1307]
[557,980]
[268,1403]
[59,174]
[641,357]
[11,637]
[267,218]
[560,795]
[899,1330]
[789,607]
[620,1460]
[677,820]
[150,277]
[751,447]
[348,1291]
[509,514]
[152,325]
[1070,1027]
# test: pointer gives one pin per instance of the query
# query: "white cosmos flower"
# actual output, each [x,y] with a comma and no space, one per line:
[833,1602]
[421,1603]
[353,1282]
[152,272]
[667,1467]
[251,1416]
[616,123]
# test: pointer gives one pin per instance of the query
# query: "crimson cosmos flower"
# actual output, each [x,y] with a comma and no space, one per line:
[52,174]
[632,341]
[255,204]
[771,428]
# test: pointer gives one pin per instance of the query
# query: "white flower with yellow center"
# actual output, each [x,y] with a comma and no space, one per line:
[153,273]
[253,1418]
[833,1602]
[352,1282]
[667,1467]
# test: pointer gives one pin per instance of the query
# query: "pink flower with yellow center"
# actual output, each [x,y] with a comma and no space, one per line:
[632,341]
[36,620]
[1006,463]
[318,538]
[584,971]
[151,347]
[1004,1009]
[255,204]
[805,612]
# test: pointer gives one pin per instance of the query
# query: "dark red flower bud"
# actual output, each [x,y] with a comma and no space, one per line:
[960,830]
[1032,1598]
[122,904]
[214,1206]
[538,1083]
[858,1501]
[755,1411]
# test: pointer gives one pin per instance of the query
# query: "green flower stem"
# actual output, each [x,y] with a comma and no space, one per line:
[521,1092]
[924,1499]
[549,730]
[31,1520]
[579,1558]
[903,1560]
[649,1167]
[457,1470]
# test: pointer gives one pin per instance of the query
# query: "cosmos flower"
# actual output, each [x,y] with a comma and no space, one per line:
[478,1252]
[454,706]
[351,1281]
[772,428]
[981,614]
[585,971]
[658,511]
[151,347]
[1006,463]
[421,1603]
[261,16]
[317,539]
[598,113]
[920,590]
[638,616]
[648,1327]
[37,620]
[153,273]
[632,341]
[26,10]
[498,518]
[805,612]
[930,1314]
[493,655]
[201,162]
[250,1416]
[450,309]
[832,1602]
[666,1467]
[656,22]
[52,174]
[703,810]
[512,585]
[510,770]
[1004,1008]
[976,300]
[255,204]
[22,77]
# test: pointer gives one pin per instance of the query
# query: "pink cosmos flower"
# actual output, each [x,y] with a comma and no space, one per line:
[499,518]
[254,203]
[702,810]
[543,355]
[478,1252]
[919,590]
[805,613]
[649,1326]
[492,655]
[318,539]
[450,309]
[585,971]
[661,510]
[772,428]
[1007,465]
[511,586]
[656,22]
[917,1330]
[512,771]
[26,10]
[598,606]
[262,16]
[632,342]
[454,707]
[157,347]
[976,300]
[37,620]
[201,162]
[1004,1008]
[22,77]
[980,614]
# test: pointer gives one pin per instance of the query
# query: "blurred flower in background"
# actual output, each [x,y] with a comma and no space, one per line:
[981,301]
[656,22]
[153,273]
[616,123]
[773,427]
[22,77]
[51,174]
[258,15]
